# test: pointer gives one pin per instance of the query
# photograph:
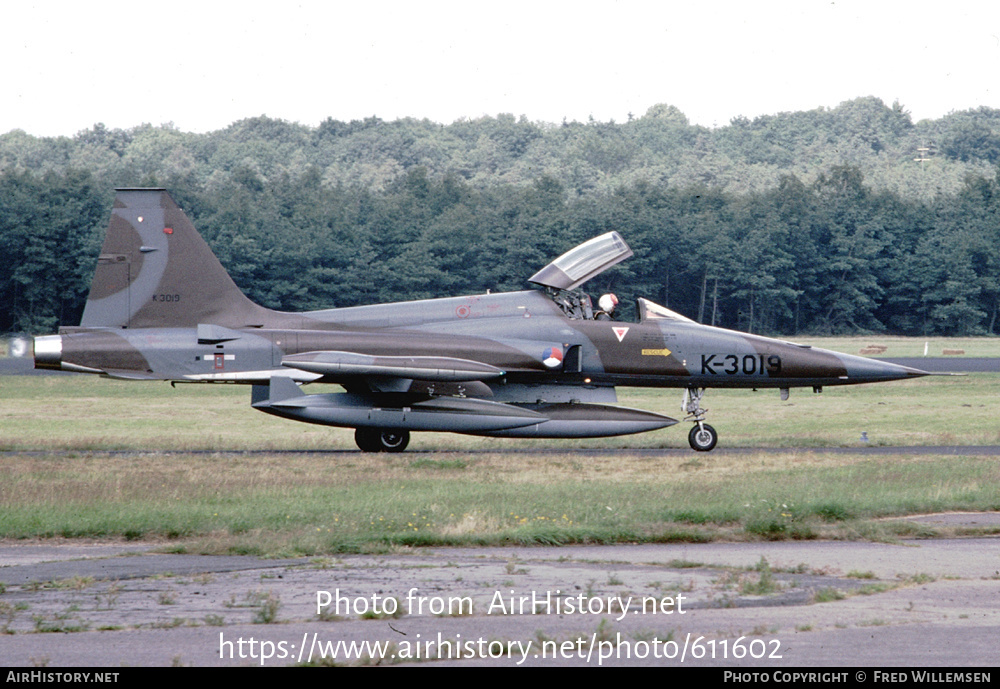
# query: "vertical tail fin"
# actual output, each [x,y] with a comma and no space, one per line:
[156,271]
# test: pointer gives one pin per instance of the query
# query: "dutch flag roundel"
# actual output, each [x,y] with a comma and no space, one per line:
[553,357]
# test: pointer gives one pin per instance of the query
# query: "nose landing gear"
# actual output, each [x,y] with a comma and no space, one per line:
[702,437]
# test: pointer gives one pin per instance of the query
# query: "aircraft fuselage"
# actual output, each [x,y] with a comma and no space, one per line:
[511,331]
[534,363]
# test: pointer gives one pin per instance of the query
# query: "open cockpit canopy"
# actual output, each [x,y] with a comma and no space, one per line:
[583,262]
[588,260]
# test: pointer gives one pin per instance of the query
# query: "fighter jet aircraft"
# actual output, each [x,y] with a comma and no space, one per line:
[539,363]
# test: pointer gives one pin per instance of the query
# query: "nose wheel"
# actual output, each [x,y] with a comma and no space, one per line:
[702,437]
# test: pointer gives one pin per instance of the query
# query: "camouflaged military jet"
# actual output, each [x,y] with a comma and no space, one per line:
[540,363]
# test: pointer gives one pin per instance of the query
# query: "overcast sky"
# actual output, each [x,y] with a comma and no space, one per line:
[203,65]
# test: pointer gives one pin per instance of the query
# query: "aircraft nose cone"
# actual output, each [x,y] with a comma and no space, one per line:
[860,368]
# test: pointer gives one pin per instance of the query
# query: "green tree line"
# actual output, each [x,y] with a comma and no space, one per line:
[815,222]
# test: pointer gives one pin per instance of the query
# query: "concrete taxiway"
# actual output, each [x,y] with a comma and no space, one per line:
[763,605]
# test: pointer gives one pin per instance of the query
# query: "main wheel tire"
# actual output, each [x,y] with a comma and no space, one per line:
[381,439]
[367,439]
[393,441]
[702,437]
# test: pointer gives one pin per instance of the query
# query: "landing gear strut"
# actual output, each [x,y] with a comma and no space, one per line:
[381,439]
[702,437]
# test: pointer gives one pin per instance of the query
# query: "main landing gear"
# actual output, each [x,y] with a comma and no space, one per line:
[702,437]
[381,439]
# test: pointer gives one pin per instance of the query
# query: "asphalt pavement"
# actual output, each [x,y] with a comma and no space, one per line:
[751,605]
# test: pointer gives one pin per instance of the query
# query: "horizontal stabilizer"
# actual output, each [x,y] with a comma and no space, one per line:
[432,368]
[127,374]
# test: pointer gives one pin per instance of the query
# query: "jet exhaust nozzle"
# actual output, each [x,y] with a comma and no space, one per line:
[48,352]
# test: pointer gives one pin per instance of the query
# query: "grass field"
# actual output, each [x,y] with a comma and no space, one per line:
[91,413]
[321,503]
[311,504]
[58,480]
[896,347]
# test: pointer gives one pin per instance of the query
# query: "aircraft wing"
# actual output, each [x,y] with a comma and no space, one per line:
[524,411]
[473,416]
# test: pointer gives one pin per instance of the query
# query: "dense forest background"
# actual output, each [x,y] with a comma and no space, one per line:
[835,220]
